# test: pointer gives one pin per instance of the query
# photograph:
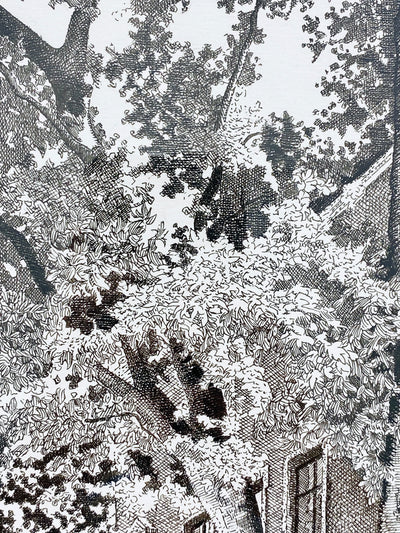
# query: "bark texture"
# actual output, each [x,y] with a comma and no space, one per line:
[231,510]
[237,71]
[65,67]
[394,214]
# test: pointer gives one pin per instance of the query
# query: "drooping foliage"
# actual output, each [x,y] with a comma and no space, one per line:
[286,343]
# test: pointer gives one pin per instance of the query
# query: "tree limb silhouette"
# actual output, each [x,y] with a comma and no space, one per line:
[65,67]
[83,152]
[237,71]
[27,253]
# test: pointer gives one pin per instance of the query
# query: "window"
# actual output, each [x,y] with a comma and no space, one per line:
[306,481]
[258,490]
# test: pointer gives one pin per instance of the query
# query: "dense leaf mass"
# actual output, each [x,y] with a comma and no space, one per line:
[203,316]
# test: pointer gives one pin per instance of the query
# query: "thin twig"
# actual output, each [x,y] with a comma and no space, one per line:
[237,71]
[250,136]
[107,418]
[119,415]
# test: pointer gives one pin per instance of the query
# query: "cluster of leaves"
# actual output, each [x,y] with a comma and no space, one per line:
[291,300]
[37,496]
[278,8]
[361,79]
[168,86]
[358,84]
[17,116]
[251,321]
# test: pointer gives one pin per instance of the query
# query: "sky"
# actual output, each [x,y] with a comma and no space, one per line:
[288,74]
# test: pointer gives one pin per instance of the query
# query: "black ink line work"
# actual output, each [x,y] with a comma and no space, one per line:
[200,304]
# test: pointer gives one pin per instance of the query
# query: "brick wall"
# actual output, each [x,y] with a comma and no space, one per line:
[347,507]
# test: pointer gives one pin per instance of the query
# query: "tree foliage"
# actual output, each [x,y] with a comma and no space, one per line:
[164,370]
[359,84]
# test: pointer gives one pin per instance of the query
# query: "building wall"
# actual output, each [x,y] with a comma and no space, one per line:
[343,503]
[347,507]
[274,513]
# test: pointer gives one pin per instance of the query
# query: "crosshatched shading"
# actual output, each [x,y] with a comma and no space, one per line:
[199,309]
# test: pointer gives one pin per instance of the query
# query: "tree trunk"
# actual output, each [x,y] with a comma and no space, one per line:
[391,456]
[394,214]
[231,510]
[237,71]
[64,67]
[223,111]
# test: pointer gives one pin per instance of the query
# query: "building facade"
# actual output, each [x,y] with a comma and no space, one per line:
[310,493]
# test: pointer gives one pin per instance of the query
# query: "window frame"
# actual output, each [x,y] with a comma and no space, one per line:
[294,494]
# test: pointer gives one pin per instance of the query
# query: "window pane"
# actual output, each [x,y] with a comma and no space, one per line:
[259,498]
[305,478]
[200,525]
[305,516]
[308,497]
[204,527]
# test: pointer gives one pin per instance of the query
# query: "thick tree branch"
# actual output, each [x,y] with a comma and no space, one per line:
[83,152]
[189,383]
[212,186]
[27,253]
[117,385]
[156,424]
[237,71]
[96,129]
[65,67]
[145,409]
[144,380]
[16,31]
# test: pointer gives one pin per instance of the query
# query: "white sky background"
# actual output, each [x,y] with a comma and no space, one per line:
[288,75]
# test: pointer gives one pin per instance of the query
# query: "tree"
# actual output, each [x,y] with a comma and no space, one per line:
[162,367]
[365,83]
[359,82]
[359,85]
[186,103]
[186,373]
